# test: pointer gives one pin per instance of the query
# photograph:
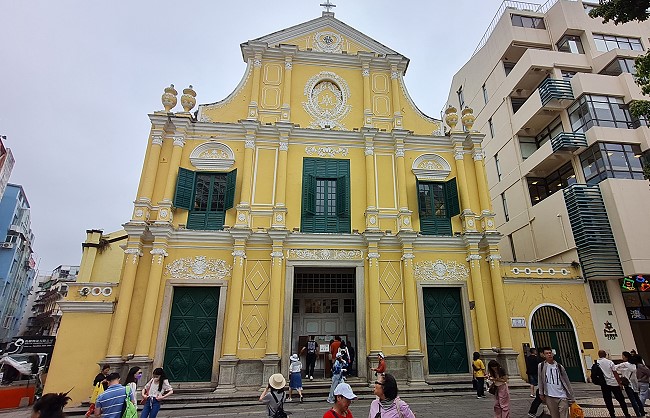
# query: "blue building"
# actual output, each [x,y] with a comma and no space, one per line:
[16,261]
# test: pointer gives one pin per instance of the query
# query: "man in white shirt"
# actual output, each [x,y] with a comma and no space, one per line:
[612,385]
[555,390]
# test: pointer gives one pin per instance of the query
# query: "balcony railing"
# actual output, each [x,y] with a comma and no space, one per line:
[552,89]
[568,141]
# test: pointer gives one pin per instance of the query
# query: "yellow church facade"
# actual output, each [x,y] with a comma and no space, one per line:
[318,200]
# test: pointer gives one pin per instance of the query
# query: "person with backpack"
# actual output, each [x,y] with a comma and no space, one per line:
[627,371]
[607,378]
[312,353]
[643,376]
[555,389]
[337,376]
[110,403]
[532,361]
[273,396]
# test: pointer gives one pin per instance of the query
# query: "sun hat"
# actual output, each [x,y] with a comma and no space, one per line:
[339,354]
[380,354]
[345,390]
[294,357]
[277,381]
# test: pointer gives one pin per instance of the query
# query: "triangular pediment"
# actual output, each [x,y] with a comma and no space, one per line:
[326,34]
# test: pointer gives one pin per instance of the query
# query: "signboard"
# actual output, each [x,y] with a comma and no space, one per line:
[636,283]
[37,344]
[518,322]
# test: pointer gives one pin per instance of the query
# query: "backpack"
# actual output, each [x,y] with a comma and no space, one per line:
[279,412]
[597,375]
[129,410]
[311,347]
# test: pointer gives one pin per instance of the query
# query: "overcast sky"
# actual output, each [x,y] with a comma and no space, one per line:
[78,78]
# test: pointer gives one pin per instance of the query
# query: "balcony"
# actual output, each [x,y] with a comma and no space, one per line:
[568,141]
[552,89]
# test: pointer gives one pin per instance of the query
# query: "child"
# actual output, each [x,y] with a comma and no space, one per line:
[295,380]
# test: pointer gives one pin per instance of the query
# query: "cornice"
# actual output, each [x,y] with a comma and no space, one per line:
[297,239]
[88,307]
[521,280]
[433,241]
[181,236]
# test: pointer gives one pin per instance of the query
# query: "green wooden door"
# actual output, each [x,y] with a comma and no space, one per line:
[190,337]
[445,330]
[552,328]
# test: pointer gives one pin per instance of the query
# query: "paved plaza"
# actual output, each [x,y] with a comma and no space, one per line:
[456,405]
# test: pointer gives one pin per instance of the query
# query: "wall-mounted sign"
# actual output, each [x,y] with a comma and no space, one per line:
[636,283]
[518,322]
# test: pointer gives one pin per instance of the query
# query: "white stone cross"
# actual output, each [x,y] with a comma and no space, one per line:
[327,5]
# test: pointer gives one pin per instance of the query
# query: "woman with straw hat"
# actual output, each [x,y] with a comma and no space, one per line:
[273,396]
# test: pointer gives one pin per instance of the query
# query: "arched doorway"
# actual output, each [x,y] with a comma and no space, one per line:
[552,328]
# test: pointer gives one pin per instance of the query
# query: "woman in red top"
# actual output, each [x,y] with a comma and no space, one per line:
[344,396]
[381,367]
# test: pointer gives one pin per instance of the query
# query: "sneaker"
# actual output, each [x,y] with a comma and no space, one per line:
[311,377]
[289,400]
[301,399]
[532,396]
[531,415]
[478,397]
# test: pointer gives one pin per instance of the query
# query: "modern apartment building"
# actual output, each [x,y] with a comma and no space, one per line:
[550,88]
[16,260]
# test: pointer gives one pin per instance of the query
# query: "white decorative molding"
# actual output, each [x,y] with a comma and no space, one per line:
[156,140]
[370,150]
[324,254]
[288,65]
[373,255]
[440,270]
[203,108]
[459,154]
[250,143]
[431,167]
[239,253]
[408,256]
[160,252]
[327,100]
[86,306]
[478,154]
[327,151]
[284,145]
[179,141]
[212,156]
[277,254]
[394,75]
[257,62]
[399,152]
[365,72]
[527,271]
[199,267]
[328,41]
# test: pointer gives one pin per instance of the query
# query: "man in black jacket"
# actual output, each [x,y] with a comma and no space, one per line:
[532,360]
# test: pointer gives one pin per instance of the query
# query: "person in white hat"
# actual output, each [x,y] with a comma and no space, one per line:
[295,380]
[273,396]
[381,366]
[344,397]
[338,370]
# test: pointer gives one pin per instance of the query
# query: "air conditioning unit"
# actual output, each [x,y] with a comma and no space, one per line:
[7,245]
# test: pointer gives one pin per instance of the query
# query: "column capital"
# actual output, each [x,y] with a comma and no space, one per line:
[156,139]
[179,141]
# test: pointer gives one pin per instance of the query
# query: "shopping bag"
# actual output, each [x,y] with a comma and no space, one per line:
[130,410]
[576,411]
[99,389]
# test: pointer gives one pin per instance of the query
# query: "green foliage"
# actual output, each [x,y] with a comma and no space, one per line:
[622,11]
[642,77]
[640,108]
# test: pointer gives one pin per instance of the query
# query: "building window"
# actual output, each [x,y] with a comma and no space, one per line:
[606,43]
[496,163]
[568,75]
[505,206]
[541,188]
[620,66]
[599,292]
[437,204]
[527,22]
[517,103]
[589,6]
[527,146]
[512,247]
[590,110]
[549,131]
[508,66]
[206,196]
[610,160]
[491,127]
[485,94]
[571,44]
[325,195]
[461,98]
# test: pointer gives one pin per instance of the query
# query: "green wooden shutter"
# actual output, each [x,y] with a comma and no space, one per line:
[231,183]
[421,203]
[196,220]
[309,194]
[451,198]
[184,189]
[214,220]
[342,196]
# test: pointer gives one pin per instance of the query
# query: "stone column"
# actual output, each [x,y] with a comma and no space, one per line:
[397,113]
[280,208]
[404,216]
[414,354]
[253,107]
[374,293]
[372,214]
[487,214]
[164,213]
[159,252]
[286,95]
[467,215]
[367,106]
[480,306]
[132,253]
[243,208]
[149,172]
[89,254]
[229,359]
[273,343]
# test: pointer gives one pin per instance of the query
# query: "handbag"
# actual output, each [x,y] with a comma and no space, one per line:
[493,389]
[130,410]
[576,411]
[99,389]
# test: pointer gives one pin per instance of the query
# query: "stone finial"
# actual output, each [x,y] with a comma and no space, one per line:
[451,117]
[468,118]
[169,99]
[188,100]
